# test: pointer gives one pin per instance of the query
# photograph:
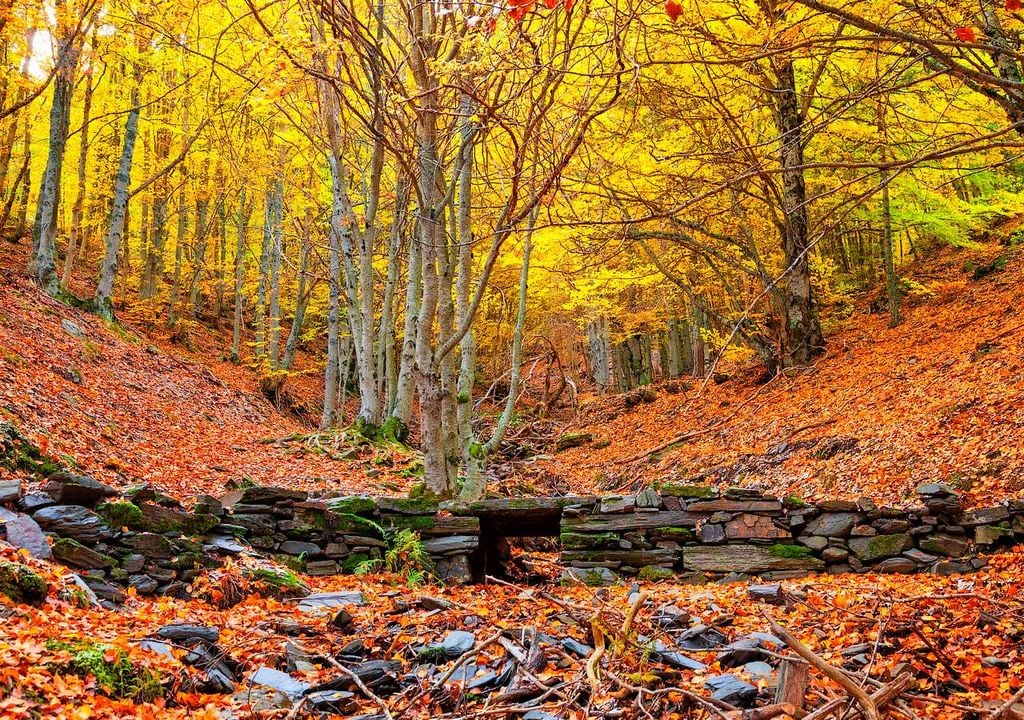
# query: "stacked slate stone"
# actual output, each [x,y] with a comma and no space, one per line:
[696,531]
[148,541]
[331,536]
[144,539]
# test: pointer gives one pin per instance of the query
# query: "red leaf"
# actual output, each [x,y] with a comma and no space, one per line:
[965,34]
[552,4]
[568,5]
[673,9]
[518,12]
[1012,5]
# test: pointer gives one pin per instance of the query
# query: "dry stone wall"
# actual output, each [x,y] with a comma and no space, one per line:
[699,533]
[148,541]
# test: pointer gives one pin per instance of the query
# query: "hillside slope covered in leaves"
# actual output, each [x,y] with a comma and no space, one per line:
[938,398]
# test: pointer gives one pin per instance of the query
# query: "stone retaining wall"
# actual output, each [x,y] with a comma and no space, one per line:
[698,532]
[149,541]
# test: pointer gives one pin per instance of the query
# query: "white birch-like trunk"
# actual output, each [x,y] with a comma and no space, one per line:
[115,232]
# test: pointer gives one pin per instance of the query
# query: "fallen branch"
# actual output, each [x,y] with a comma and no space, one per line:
[768,712]
[370,694]
[1001,711]
[867,705]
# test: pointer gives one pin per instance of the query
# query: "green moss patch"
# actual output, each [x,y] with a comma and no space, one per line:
[120,514]
[116,675]
[790,551]
[22,584]
[277,582]
[198,524]
[688,491]
[794,502]
[353,505]
[653,573]
[587,541]
[18,453]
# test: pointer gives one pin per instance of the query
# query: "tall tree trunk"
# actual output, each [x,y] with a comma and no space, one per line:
[386,371]
[241,228]
[333,370]
[477,453]
[108,270]
[179,251]
[44,253]
[599,348]
[301,300]
[264,273]
[77,229]
[404,392]
[274,312]
[464,238]
[803,328]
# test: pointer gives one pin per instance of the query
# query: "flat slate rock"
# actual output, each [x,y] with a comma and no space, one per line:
[10,490]
[180,632]
[635,521]
[457,643]
[730,689]
[32,501]
[331,600]
[280,681]
[676,659]
[451,544]
[104,590]
[68,489]
[80,556]
[747,559]
[262,496]
[73,521]
[751,506]
[24,532]
[227,544]
[832,525]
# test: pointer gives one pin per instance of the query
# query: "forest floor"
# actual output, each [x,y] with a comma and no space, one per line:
[129,406]
[937,398]
[940,397]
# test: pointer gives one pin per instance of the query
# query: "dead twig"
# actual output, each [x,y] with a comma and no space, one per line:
[833,673]
[370,694]
[1001,711]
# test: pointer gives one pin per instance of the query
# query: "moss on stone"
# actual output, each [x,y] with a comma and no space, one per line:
[310,519]
[18,453]
[275,581]
[790,551]
[688,491]
[409,522]
[881,546]
[116,675]
[22,584]
[675,533]
[356,525]
[795,502]
[394,430]
[587,541]
[120,514]
[420,505]
[653,573]
[360,505]
[187,561]
[198,524]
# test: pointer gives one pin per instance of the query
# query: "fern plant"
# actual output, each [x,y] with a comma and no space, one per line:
[404,555]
